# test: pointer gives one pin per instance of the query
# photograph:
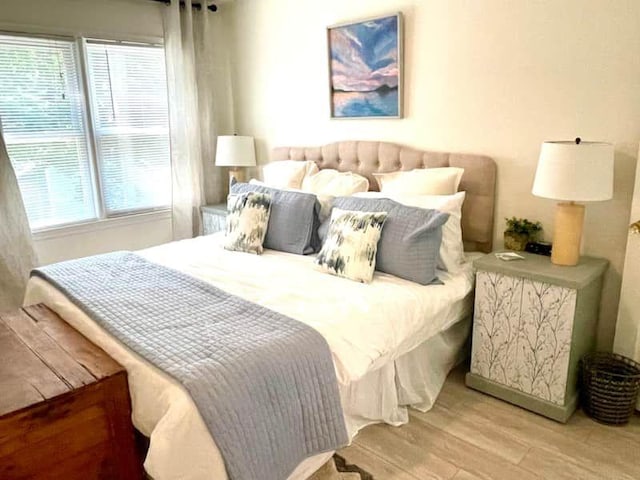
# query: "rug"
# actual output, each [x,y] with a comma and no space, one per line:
[338,469]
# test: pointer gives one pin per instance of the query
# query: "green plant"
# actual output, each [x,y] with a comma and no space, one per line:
[523,226]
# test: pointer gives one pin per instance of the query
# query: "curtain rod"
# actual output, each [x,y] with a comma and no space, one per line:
[196,5]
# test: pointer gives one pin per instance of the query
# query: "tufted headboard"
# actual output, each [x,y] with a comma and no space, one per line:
[366,158]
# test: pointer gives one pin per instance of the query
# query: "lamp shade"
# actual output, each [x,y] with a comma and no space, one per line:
[575,171]
[235,151]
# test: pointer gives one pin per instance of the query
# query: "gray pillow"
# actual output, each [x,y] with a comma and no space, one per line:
[410,240]
[293,221]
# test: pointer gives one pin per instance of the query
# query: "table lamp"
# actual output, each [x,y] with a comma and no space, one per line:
[235,151]
[573,171]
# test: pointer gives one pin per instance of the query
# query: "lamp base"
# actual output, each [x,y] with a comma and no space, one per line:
[238,174]
[568,234]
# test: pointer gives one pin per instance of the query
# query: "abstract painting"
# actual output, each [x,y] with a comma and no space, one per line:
[365,63]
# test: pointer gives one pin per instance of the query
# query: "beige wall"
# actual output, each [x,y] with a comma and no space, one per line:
[628,328]
[106,236]
[102,18]
[485,76]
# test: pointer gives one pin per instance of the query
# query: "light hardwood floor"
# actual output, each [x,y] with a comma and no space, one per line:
[468,436]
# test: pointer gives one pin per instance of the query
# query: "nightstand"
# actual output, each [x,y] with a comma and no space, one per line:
[533,321]
[214,218]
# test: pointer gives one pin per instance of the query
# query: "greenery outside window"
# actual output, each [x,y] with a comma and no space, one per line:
[86,127]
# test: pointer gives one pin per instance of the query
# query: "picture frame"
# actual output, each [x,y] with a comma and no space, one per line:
[366,68]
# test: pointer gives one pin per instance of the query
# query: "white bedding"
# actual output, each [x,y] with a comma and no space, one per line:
[366,326]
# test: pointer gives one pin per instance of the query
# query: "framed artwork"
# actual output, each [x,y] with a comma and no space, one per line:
[365,68]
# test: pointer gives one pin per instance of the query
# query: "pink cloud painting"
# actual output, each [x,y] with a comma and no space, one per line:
[365,68]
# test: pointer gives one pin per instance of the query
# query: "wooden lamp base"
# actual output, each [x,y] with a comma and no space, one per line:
[568,234]
[238,174]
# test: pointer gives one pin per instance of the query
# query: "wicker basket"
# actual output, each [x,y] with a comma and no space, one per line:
[610,385]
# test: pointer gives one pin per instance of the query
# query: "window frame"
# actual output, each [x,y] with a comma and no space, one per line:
[91,108]
[102,219]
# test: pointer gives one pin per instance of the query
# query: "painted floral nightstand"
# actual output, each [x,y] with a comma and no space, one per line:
[533,321]
[214,218]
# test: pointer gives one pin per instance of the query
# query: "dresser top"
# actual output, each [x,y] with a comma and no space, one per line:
[540,268]
[218,208]
[43,357]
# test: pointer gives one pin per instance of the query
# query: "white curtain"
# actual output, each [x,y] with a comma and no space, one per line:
[191,83]
[17,256]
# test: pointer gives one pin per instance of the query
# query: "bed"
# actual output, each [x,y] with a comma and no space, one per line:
[392,341]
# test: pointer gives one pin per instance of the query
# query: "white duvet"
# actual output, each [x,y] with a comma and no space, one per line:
[365,325]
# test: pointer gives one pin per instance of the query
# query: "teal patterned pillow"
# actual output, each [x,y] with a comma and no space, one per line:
[247,222]
[352,242]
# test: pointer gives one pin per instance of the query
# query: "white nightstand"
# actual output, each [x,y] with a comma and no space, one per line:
[533,321]
[214,218]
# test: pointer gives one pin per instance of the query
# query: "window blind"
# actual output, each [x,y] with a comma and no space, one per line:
[41,110]
[130,110]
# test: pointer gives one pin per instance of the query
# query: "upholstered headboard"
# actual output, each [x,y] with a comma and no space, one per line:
[366,158]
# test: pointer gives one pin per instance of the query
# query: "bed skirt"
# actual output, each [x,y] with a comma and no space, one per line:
[413,380]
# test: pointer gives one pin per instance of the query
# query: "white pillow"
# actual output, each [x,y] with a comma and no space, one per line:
[421,181]
[287,173]
[451,248]
[335,183]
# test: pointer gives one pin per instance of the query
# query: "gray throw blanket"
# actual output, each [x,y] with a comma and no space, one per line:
[265,384]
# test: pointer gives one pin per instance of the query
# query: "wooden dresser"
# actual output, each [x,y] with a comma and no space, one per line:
[65,411]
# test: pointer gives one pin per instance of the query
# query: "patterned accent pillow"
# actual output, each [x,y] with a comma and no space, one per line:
[247,222]
[352,242]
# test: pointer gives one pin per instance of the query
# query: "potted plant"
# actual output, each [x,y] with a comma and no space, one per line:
[519,232]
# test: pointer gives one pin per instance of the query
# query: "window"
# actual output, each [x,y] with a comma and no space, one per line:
[41,110]
[84,157]
[129,97]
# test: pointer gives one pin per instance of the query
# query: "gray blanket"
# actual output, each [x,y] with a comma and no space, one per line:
[265,384]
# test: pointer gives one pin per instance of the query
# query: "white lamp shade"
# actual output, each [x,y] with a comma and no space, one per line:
[577,172]
[235,151]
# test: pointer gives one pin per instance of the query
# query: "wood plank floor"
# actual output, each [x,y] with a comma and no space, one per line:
[470,436]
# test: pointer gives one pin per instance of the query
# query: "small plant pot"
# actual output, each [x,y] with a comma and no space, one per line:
[515,241]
